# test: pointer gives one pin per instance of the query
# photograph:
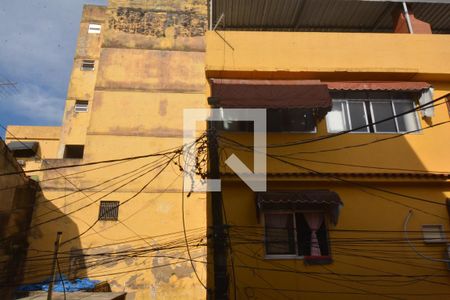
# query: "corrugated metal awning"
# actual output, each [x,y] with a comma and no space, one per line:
[325,200]
[237,93]
[379,85]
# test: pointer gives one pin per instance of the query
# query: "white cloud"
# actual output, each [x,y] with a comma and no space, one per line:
[33,102]
[37,44]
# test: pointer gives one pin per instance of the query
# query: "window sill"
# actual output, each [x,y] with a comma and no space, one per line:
[433,242]
[283,257]
[308,260]
[318,260]
[269,132]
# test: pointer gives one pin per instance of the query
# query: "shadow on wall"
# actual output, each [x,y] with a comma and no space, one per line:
[15,217]
[48,219]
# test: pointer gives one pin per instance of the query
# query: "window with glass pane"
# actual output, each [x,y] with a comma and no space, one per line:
[358,117]
[290,234]
[355,109]
[406,122]
[298,120]
[382,110]
[280,237]
[336,118]
[278,120]
[304,236]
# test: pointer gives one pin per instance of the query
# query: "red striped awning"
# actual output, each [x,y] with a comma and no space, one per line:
[378,85]
[325,200]
[240,93]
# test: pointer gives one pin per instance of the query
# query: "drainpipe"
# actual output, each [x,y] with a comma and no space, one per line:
[219,228]
[210,14]
[408,20]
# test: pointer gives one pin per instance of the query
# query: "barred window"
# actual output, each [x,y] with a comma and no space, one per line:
[109,210]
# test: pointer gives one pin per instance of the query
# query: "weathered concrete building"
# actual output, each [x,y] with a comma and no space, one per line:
[344,184]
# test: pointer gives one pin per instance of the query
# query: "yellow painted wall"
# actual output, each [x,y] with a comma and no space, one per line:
[136,94]
[331,56]
[362,270]
[422,151]
[341,57]
[82,82]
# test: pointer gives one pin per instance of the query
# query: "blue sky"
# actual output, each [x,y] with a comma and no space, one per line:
[37,45]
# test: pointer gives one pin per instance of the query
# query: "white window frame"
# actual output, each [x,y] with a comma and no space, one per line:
[350,119]
[348,122]
[94,28]
[345,108]
[292,212]
[84,108]
[416,116]
[280,256]
[342,103]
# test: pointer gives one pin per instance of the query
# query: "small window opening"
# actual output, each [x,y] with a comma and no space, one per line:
[95,28]
[81,106]
[290,234]
[74,151]
[109,211]
[88,65]
[359,110]
[23,149]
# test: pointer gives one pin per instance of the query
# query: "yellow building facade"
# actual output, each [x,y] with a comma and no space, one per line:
[370,196]
[376,195]
[130,82]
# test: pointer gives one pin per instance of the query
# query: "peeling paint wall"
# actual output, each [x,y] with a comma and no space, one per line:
[149,66]
[369,239]
[174,25]
[158,24]
[82,82]
[48,139]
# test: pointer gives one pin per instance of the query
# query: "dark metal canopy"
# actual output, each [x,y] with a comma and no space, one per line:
[324,15]
[241,93]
